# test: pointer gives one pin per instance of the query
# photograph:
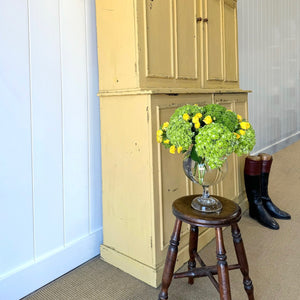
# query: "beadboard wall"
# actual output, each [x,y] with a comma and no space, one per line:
[50,184]
[269,56]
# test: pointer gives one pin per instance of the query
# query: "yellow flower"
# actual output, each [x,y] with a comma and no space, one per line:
[195,104]
[159,139]
[207,120]
[195,119]
[197,125]
[245,125]
[229,110]
[199,115]
[237,135]
[159,132]
[165,125]
[242,132]
[240,118]
[186,117]
[166,141]
[172,149]
[179,149]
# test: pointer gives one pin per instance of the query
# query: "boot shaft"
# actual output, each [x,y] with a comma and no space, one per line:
[265,171]
[252,176]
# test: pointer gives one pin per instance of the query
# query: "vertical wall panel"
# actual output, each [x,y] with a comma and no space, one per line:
[50,179]
[269,66]
[95,190]
[75,113]
[46,124]
[15,151]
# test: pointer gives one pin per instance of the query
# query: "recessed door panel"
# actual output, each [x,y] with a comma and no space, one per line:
[186,39]
[213,43]
[230,38]
[159,39]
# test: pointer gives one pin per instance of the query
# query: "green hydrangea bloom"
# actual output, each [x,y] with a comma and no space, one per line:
[189,109]
[180,134]
[246,142]
[214,110]
[208,142]
[229,119]
[214,142]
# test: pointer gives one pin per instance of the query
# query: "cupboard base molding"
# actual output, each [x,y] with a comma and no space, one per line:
[145,273]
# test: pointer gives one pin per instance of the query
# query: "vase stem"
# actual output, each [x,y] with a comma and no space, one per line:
[205,191]
[201,172]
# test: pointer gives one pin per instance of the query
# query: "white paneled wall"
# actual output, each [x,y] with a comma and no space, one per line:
[269,53]
[50,182]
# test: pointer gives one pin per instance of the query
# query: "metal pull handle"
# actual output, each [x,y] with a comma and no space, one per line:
[199,19]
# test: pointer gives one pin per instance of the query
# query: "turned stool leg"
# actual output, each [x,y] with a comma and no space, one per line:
[242,259]
[222,266]
[193,245]
[170,261]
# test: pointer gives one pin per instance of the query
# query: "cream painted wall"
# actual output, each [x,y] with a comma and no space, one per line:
[269,55]
[50,182]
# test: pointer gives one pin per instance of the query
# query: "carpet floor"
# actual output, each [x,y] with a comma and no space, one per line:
[273,256]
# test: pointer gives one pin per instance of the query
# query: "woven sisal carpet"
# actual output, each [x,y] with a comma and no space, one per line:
[273,256]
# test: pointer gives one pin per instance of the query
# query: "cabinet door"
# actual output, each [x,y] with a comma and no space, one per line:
[230,42]
[220,54]
[213,42]
[168,49]
[169,180]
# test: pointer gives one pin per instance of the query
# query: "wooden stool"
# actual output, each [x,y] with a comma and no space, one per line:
[229,216]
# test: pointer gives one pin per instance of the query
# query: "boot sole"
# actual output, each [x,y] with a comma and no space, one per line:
[264,224]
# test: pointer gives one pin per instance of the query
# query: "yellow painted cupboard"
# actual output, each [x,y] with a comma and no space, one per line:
[154,56]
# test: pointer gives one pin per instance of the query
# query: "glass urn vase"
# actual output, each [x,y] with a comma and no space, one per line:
[202,174]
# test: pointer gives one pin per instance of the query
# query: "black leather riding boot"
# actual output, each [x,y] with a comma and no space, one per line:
[252,173]
[271,208]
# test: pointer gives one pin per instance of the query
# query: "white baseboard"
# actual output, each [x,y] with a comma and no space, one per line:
[283,143]
[26,279]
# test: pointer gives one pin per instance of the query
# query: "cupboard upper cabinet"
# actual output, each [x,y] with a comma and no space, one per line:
[172,44]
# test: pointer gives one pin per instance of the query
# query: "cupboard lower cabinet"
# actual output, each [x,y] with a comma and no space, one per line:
[141,179]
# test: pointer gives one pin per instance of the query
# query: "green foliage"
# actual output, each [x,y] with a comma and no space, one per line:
[211,133]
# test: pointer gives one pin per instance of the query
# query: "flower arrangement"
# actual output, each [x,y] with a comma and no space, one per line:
[210,133]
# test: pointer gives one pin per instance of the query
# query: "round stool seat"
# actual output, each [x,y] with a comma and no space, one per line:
[230,213]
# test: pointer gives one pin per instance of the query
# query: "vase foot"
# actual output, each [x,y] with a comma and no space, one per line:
[207,205]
